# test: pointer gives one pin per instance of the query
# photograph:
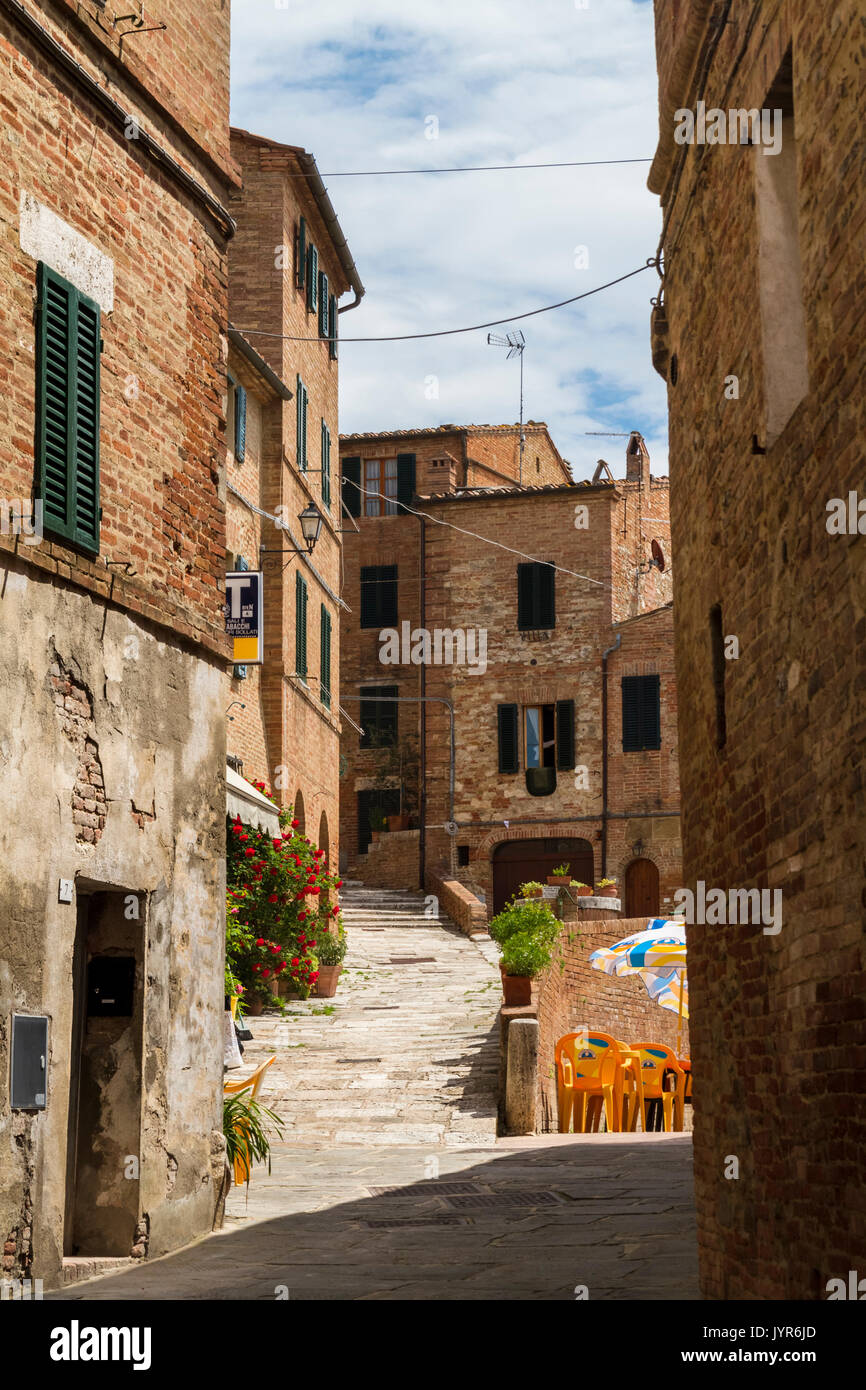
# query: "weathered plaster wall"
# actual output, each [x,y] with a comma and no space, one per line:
[156,719]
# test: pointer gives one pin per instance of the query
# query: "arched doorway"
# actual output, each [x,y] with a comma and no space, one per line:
[298,812]
[323,842]
[642,889]
[516,861]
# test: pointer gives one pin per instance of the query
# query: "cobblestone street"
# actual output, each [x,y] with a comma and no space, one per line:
[390,1182]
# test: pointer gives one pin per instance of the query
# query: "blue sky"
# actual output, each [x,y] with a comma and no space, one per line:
[365,86]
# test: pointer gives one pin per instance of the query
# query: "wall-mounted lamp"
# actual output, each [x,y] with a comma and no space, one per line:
[311,524]
[231,717]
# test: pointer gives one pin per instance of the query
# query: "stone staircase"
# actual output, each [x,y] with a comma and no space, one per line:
[407,1052]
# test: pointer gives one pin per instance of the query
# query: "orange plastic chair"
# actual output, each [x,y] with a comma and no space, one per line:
[656,1060]
[253,1084]
[588,1078]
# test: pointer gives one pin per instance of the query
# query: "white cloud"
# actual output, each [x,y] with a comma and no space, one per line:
[518,81]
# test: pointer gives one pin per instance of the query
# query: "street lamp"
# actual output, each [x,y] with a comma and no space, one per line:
[311,524]
[516,343]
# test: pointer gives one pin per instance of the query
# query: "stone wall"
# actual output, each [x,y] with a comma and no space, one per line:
[391,861]
[458,903]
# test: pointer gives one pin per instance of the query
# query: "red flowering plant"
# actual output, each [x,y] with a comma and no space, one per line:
[282,892]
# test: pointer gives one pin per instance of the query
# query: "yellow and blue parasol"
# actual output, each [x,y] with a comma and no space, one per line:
[658,955]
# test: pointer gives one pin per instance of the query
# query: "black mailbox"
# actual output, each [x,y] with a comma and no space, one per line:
[29,1061]
[110,986]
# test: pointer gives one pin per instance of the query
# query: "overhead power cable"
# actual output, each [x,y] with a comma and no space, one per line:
[450,332]
[473,168]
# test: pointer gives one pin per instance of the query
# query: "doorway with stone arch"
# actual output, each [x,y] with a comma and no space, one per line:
[642,889]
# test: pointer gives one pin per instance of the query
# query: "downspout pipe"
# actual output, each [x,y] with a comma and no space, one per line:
[604,811]
[422,771]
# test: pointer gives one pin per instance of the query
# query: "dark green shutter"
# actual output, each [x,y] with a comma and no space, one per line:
[405,478]
[302,252]
[240,424]
[326,465]
[351,470]
[325,661]
[301,424]
[332,327]
[545,580]
[536,598]
[323,304]
[507,728]
[68,347]
[650,712]
[565,735]
[300,626]
[312,279]
[525,596]
[630,714]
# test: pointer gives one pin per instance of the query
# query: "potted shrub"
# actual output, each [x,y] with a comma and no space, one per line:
[583,890]
[378,823]
[400,822]
[245,1126]
[606,888]
[330,950]
[560,878]
[531,889]
[524,956]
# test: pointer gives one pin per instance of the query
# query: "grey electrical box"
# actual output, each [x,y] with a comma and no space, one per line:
[29,1061]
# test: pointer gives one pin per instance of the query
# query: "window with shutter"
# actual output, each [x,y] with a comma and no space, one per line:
[326,465]
[536,597]
[351,485]
[301,413]
[378,596]
[300,626]
[323,304]
[405,478]
[641,713]
[302,252]
[379,716]
[68,348]
[325,657]
[312,279]
[332,327]
[507,716]
[240,424]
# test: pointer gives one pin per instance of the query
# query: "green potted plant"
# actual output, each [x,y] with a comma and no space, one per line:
[525,933]
[606,888]
[531,889]
[245,1126]
[330,950]
[378,823]
[560,878]
[583,890]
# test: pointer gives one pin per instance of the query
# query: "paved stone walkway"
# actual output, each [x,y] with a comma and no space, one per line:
[390,1183]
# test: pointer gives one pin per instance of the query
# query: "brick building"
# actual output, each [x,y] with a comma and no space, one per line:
[113,298]
[288,266]
[523,654]
[759,334]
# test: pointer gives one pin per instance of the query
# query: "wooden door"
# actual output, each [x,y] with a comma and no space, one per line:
[642,889]
[516,861]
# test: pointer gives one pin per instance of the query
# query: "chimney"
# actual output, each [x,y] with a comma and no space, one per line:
[637,460]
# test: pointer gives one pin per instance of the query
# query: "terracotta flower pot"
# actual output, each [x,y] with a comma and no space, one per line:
[611,891]
[326,985]
[559,880]
[584,892]
[254,1003]
[535,893]
[516,989]
[400,822]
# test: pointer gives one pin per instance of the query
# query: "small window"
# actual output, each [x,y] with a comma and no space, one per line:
[462,856]
[380,487]
[536,607]
[548,743]
[378,715]
[300,627]
[641,713]
[378,596]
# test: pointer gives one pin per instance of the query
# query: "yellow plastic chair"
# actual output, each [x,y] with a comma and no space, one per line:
[253,1084]
[588,1078]
[632,1088]
[657,1061]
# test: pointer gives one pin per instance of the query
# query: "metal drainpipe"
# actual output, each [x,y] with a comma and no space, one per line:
[422,772]
[604,657]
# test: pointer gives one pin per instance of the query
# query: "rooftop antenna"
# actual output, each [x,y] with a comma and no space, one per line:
[610,434]
[515,342]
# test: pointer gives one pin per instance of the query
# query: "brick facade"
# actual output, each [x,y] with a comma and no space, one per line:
[611,598]
[764,283]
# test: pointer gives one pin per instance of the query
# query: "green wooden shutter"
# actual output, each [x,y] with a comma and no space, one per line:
[565,735]
[546,592]
[323,304]
[326,465]
[240,423]
[630,714]
[650,712]
[301,424]
[332,327]
[300,626]
[68,347]
[405,478]
[325,658]
[302,252]
[508,745]
[525,596]
[312,279]
[351,471]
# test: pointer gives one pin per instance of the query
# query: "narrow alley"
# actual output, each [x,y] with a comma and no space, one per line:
[390,1182]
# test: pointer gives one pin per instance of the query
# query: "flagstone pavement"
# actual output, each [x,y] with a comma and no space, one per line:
[390,1183]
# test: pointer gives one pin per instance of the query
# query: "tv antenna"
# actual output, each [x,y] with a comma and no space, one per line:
[515,342]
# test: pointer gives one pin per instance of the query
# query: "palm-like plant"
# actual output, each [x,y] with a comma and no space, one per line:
[245,1126]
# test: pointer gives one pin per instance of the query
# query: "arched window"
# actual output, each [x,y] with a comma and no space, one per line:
[299,814]
[324,841]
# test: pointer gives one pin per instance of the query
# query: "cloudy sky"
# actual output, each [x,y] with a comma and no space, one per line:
[364,85]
